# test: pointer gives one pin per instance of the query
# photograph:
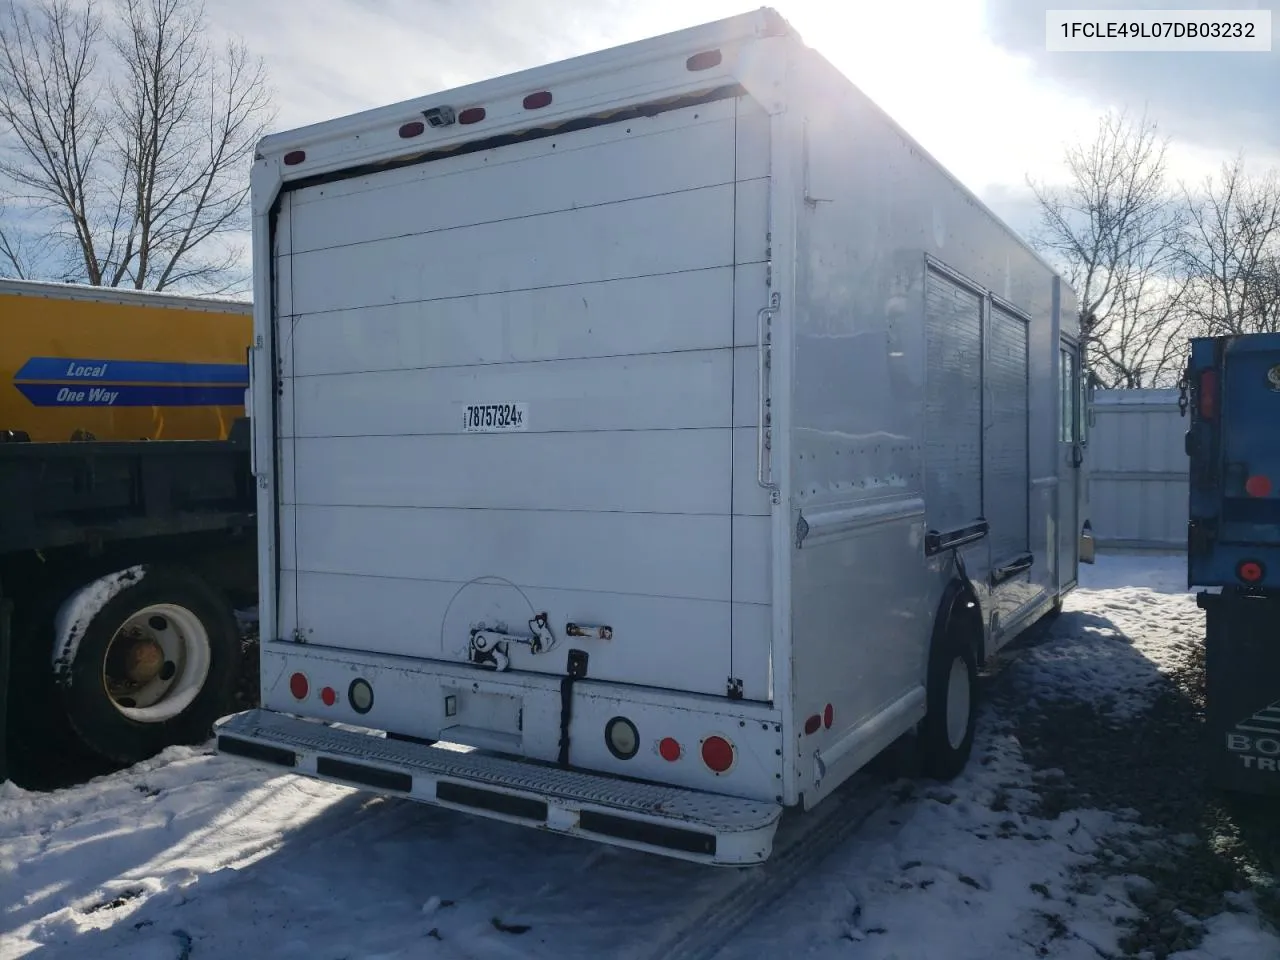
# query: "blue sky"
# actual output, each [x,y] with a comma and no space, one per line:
[970,79]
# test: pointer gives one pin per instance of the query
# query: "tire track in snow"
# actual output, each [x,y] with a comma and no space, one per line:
[804,841]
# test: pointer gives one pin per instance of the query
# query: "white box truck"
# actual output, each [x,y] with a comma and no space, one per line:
[644,443]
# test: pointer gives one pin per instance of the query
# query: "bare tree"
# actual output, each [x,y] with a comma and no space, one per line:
[46,62]
[130,138]
[1231,252]
[20,253]
[1113,229]
[1142,341]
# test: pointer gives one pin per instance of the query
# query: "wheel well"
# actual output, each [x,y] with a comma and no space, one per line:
[959,613]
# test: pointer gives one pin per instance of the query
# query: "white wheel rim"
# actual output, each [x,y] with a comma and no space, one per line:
[957,703]
[184,643]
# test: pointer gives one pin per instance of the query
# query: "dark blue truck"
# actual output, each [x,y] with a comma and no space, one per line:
[1233,550]
[1233,537]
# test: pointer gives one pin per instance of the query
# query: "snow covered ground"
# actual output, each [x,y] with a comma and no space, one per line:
[193,856]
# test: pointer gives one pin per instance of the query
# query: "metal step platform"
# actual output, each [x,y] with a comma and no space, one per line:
[671,821]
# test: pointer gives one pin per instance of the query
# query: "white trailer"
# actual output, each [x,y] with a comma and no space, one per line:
[665,427]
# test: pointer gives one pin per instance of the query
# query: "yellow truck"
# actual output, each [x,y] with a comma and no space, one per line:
[81,362]
[127,523]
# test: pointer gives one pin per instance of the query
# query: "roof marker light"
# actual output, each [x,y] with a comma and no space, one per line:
[536,101]
[413,128]
[294,157]
[471,115]
[704,60]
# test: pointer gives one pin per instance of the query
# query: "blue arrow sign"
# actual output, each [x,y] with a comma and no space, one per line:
[80,369]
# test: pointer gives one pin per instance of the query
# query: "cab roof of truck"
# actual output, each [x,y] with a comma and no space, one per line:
[143,298]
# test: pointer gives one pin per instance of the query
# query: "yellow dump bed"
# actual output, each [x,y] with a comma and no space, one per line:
[120,364]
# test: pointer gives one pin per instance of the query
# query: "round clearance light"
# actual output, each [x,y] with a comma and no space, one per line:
[621,737]
[669,749]
[360,695]
[717,754]
[328,696]
[298,686]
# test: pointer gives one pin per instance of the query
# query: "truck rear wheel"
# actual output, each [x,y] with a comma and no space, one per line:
[946,735]
[153,667]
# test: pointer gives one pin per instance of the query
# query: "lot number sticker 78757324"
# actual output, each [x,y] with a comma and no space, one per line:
[495,417]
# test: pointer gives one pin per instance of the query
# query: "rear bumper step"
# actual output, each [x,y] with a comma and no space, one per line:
[676,822]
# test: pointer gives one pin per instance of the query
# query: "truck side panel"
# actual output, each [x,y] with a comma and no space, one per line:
[140,369]
[891,410]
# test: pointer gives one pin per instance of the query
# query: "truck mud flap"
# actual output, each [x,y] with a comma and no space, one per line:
[672,821]
[1242,691]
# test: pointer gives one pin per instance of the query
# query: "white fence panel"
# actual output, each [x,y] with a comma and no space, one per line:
[1138,470]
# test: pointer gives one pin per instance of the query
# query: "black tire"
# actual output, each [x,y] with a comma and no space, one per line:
[94,715]
[44,751]
[953,641]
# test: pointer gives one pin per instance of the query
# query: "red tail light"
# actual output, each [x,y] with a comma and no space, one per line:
[1208,394]
[669,749]
[717,754]
[299,687]
[328,696]
[1258,486]
[1250,571]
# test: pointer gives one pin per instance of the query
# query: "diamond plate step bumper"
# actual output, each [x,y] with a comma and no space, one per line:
[672,821]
